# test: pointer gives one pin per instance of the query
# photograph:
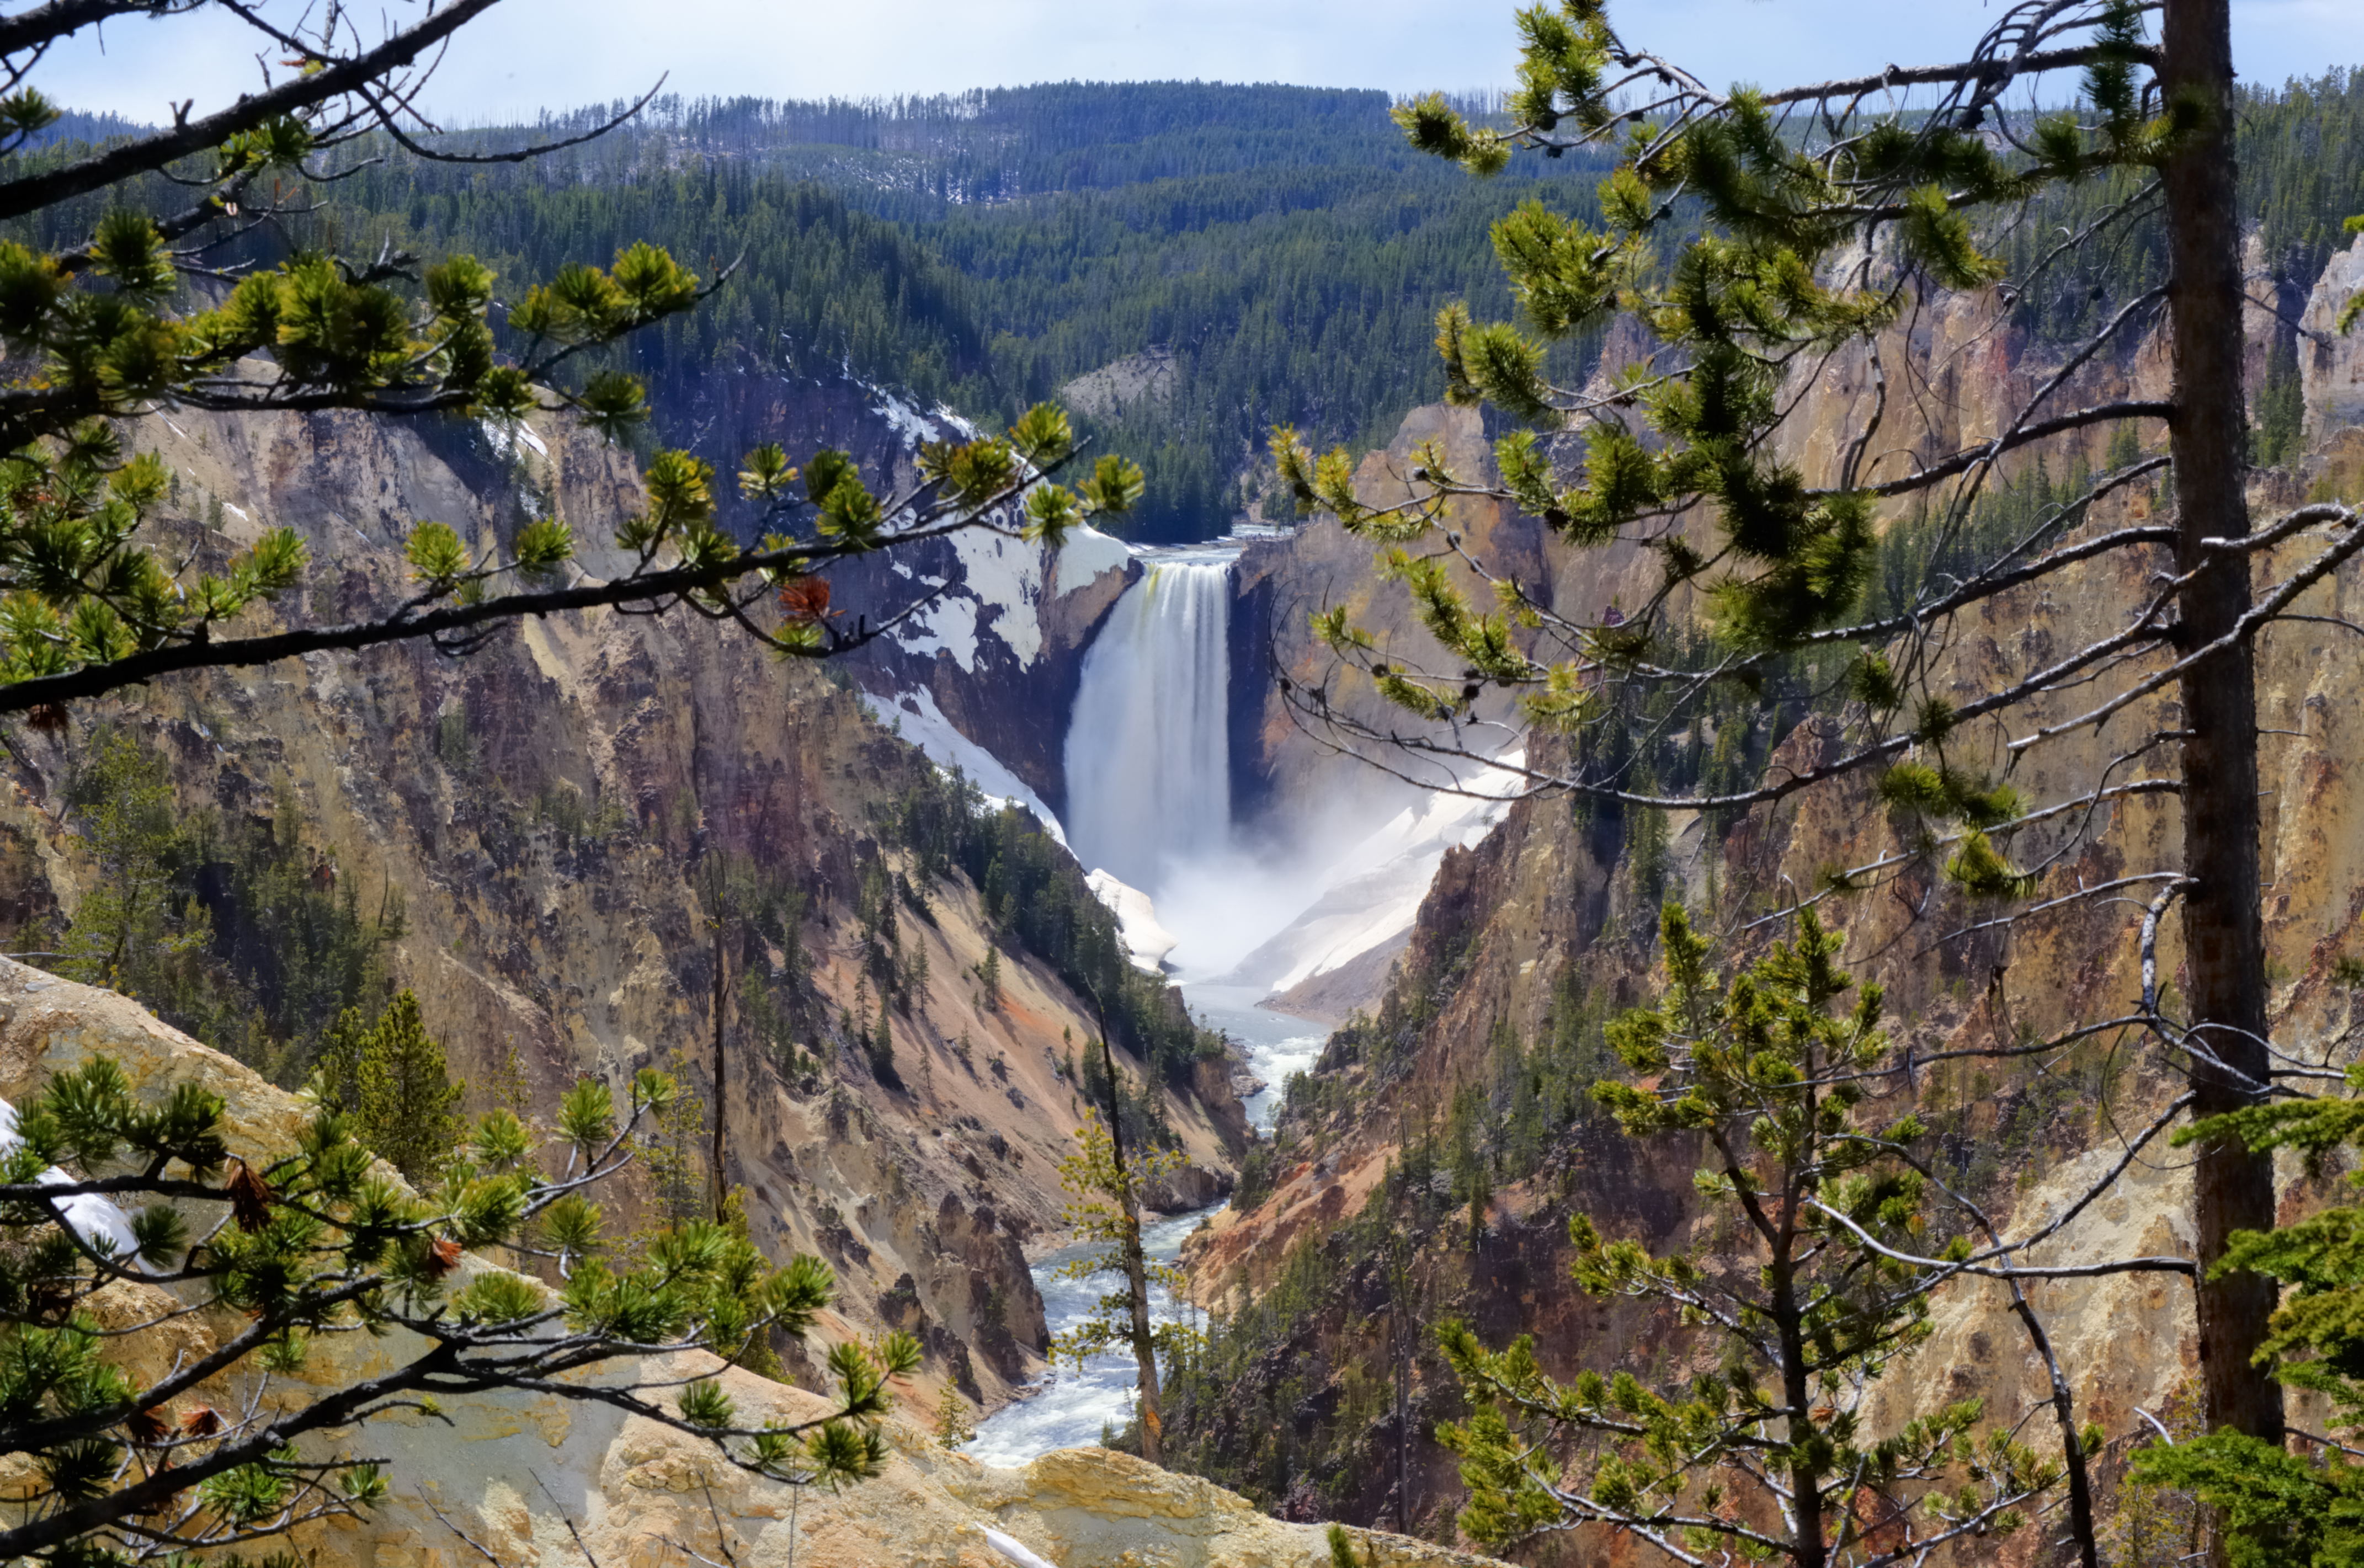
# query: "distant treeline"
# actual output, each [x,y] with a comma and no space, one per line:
[986,249]
[1282,243]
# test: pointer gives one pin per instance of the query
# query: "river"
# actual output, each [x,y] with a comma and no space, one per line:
[1070,1408]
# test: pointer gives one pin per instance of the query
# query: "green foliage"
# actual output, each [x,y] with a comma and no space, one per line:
[953,1426]
[1279,244]
[240,934]
[1103,1208]
[2281,1507]
[1342,1550]
[97,569]
[311,1243]
[2278,1508]
[2302,160]
[1746,237]
[130,928]
[1931,550]
[85,585]
[1767,1073]
[2281,405]
[391,1079]
[673,1147]
[1035,896]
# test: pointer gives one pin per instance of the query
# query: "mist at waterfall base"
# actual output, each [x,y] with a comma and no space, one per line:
[1149,774]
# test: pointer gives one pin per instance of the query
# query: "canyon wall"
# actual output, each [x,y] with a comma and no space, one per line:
[984,672]
[542,811]
[1537,933]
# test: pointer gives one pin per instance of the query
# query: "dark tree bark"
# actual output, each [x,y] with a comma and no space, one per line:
[2224,929]
[721,1062]
[1401,1332]
[1136,1265]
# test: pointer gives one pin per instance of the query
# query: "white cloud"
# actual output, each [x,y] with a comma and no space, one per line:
[528,54]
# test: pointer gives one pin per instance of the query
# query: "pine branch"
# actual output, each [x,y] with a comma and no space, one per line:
[61,18]
[33,192]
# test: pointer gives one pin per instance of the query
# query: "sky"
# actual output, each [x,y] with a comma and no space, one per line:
[528,55]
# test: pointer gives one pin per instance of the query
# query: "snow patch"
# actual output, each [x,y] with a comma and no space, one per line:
[923,724]
[1010,1548]
[506,437]
[1005,575]
[999,584]
[948,626]
[89,1216]
[1136,918]
[1087,554]
[908,423]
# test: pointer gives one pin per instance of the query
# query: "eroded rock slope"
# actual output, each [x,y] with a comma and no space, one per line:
[542,811]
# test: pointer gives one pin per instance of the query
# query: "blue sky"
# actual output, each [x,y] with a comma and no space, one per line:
[530,54]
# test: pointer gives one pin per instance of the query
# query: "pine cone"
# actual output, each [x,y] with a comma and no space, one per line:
[250,1198]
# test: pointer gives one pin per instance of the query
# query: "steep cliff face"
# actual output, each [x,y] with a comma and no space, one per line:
[545,810]
[984,672]
[1529,940]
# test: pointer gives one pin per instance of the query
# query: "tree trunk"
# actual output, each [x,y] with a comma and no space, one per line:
[722,1097]
[2224,931]
[1808,1549]
[1402,1330]
[1136,1265]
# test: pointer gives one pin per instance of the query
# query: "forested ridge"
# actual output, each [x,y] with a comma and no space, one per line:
[985,249]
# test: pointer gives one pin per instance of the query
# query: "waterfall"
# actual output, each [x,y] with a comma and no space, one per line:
[1149,749]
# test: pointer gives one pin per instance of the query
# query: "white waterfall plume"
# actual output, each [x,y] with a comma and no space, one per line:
[1149,751]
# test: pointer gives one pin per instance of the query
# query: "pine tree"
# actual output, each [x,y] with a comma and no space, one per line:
[2283,1507]
[298,1239]
[337,1069]
[114,336]
[406,1105]
[953,1426]
[988,975]
[128,931]
[1105,1182]
[2281,407]
[882,1048]
[915,979]
[1763,1457]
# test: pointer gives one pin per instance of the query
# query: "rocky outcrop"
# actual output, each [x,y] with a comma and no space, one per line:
[1186,1189]
[1147,377]
[994,658]
[984,675]
[2331,363]
[640,1493]
[519,1477]
[983,672]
